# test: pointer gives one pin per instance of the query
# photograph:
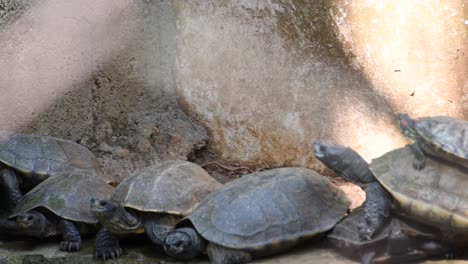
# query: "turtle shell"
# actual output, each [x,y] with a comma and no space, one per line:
[436,194]
[173,187]
[445,136]
[67,195]
[40,156]
[269,210]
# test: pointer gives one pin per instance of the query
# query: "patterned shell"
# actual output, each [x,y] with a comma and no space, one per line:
[67,195]
[173,187]
[270,210]
[436,194]
[42,156]
[446,137]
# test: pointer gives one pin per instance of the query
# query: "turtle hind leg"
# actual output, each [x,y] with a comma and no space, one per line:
[10,186]
[70,235]
[376,208]
[420,158]
[107,245]
[222,255]
[158,225]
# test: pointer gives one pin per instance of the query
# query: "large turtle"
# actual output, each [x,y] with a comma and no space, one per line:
[150,201]
[435,195]
[59,206]
[26,160]
[400,240]
[440,136]
[260,214]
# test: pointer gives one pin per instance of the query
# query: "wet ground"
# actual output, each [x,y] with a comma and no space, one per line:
[30,251]
[141,252]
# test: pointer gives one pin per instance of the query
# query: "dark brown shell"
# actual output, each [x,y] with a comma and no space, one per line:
[173,187]
[270,209]
[67,195]
[42,156]
[437,194]
[446,137]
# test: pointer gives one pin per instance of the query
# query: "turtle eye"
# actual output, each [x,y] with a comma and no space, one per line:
[102,203]
[29,218]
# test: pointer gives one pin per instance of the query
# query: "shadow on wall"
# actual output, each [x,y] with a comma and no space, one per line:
[101,74]
[404,64]
[356,113]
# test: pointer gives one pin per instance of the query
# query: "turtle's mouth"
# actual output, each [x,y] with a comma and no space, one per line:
[406,125]
[319,149]
[24,220]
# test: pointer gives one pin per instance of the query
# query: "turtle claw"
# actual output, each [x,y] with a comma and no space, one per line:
[419,164]
[108,252]
[69,246]
[365,232]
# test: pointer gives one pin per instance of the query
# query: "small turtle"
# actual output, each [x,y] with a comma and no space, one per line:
[260,214]
[26,160]
[59,206]
[399,241]
[150,201]
[440,136]
[435,195]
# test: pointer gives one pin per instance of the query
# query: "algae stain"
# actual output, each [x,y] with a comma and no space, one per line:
[56,202]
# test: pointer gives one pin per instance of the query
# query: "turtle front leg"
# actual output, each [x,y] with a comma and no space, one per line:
[222,255]
[8,226]
[107,245]
[70,235]
[377,210]
[417,149]
[10,187]
[158,225]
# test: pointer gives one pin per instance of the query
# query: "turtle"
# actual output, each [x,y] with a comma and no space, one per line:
[26,160]
[435,195]
[400,240]
[59,206]
[440,136]
[257,215]
[150,201]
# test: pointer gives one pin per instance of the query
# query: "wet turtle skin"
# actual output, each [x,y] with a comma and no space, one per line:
[435,195]
[150,201]
[64,201]
[398,241]
[264,213]
[440,136]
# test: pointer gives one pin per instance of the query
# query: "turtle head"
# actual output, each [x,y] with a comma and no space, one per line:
[344,161]
[32,223]
[328,153]
[183,243]
[114,217]
[407,126]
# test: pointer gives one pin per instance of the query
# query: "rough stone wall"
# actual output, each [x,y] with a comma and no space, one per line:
[101,74]
[269,77]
